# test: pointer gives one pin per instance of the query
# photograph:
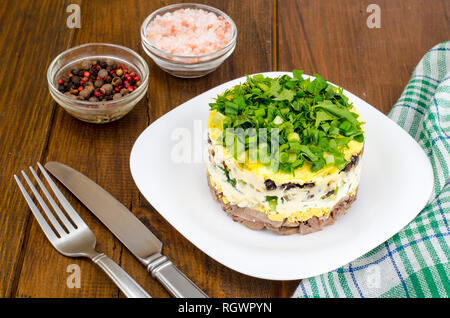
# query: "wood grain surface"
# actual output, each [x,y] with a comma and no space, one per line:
[328,37]
[331,38]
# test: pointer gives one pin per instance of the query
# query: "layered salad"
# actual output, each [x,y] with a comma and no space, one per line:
[284,153]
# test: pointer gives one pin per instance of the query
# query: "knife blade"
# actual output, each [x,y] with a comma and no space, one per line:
[141,242]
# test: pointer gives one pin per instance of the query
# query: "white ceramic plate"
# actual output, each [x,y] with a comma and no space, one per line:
[396,183]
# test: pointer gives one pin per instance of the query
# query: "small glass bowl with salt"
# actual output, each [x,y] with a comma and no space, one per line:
[188,40]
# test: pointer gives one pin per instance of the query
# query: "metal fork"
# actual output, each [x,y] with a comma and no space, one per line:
[74,240]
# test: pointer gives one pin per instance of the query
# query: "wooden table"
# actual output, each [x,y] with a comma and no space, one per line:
[328,37]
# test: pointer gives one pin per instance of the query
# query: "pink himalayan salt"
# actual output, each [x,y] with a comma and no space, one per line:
[189,32]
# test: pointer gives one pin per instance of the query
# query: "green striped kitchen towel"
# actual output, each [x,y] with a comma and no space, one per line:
[415,261]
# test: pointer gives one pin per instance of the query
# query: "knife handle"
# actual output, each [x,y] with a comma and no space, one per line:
[125,282]
[176,283]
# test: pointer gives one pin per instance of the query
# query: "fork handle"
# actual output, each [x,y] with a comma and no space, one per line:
[126,284]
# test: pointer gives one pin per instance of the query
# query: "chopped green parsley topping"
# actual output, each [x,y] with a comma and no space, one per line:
[288,122]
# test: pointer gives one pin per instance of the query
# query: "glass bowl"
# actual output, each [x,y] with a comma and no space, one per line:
[101,111]
[187,66]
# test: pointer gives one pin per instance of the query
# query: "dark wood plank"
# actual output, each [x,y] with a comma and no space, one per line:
[331,38]
[99,151]
[253,54]
[102,153]
[31,35]
[326,37]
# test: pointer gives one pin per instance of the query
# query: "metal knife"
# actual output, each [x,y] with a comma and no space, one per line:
[128,229]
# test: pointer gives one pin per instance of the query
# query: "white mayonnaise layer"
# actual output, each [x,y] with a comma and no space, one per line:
[247,189]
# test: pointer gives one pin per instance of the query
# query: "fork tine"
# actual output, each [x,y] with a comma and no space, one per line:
[44,206]
[56,208]
[62,199]
[42,222]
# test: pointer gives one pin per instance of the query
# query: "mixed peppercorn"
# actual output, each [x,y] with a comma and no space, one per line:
[98,80]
